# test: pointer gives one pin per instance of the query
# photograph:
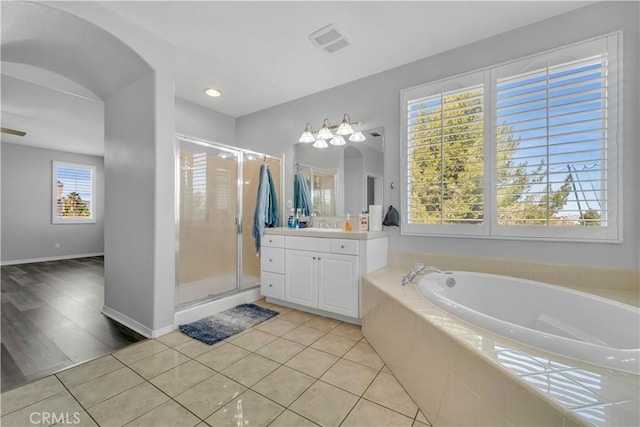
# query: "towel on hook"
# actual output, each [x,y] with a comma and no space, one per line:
[266,213]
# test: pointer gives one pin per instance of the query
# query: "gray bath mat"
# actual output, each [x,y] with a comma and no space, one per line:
[220,326]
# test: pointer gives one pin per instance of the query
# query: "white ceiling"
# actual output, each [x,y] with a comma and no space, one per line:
[257,53]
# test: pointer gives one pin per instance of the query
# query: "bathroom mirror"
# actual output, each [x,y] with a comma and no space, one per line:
[343,179]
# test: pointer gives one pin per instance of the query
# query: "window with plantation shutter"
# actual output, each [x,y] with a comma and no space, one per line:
[445,157]
[73,193]
[526,149]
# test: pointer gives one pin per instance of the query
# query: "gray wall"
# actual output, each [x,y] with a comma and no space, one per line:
[198,122]
[129,158]
[376,99]
[27,232]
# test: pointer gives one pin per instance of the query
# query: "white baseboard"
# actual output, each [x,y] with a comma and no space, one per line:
[191,314]
[50,258]
[134,325]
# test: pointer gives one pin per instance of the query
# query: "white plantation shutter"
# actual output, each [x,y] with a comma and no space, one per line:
[538,140]
[557,117]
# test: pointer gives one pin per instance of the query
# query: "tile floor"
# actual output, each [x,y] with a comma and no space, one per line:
[296,369]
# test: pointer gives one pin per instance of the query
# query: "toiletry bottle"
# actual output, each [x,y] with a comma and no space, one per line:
[364,221]
[347,223]
[291,222]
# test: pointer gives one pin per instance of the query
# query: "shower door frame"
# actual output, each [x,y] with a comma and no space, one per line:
[239,213]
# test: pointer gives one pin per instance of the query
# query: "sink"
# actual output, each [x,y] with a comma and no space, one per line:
[323,230]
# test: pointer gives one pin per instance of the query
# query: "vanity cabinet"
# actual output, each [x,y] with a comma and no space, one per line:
[320,274]
[322,280]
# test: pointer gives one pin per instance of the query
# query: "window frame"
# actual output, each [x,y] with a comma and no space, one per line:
[489,229]
[55,219]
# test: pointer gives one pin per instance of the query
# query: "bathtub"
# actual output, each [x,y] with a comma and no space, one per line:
[556,319]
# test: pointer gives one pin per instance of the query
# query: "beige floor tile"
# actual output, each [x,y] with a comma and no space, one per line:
[324,404]
[386,370]
[174,338]
[297,316]
[334,344]
[323,323]
[419,424]
[312,362]
[284,385]
[159,363]
[348,330]
[350,376]
[180,378]
[61,403]
[102,388]
[364,354]
[278,327]
[83,419]
[127,406]
[280,350]
[88,371]
[304,335]
[253,340]
[248,409]
[387,391]
[194,348]
[369,414]
[167,414]
[208,396]
[139,351]
[291,419]
[250,370]
[222,356]
[421,418]
[30,393]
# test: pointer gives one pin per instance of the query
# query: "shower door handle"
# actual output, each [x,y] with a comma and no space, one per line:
[238,225]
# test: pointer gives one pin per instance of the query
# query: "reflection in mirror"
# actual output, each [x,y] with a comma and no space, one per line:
[357,171]
[322,186]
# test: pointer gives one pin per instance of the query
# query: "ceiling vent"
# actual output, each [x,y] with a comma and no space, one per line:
[330,39]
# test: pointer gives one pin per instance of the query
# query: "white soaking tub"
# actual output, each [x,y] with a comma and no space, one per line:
[556,319]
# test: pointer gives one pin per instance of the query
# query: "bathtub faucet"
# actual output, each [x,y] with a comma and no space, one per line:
[418,268]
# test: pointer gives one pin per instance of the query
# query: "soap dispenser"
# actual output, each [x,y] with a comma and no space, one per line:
[347,223]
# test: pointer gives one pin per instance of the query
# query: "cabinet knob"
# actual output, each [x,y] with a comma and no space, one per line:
[271,286]
[342,246]
[270,260]
[319,258]
[314,258]
[270,241]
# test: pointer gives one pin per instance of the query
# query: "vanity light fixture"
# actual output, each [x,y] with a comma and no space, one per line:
[307,135]
[357,137]
[320,143]
[213,92]
[345,127]
[325,134]
[337,140]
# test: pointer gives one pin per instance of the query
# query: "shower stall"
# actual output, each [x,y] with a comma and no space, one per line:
[217,191]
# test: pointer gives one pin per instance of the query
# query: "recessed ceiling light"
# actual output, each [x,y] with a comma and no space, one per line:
[213,92]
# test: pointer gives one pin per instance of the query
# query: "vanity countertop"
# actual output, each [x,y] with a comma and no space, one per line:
[335,233]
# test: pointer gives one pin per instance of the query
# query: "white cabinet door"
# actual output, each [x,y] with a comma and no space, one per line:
[338,284]
[301,271]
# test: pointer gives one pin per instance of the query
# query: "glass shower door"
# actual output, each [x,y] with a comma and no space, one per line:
[208,209]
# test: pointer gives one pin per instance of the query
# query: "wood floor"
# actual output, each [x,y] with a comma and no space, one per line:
[51,318]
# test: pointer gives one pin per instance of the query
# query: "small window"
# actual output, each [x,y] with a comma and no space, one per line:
[73,194]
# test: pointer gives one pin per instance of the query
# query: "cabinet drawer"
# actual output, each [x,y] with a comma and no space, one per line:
[272,285]
[317,244]
[272,260]
[272,241]
[344,246]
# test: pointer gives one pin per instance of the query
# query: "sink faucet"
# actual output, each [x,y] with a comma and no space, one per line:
[418,268]
[321,223]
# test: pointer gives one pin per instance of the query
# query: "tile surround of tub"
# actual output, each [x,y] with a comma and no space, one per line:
[598,280]
[461,375]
